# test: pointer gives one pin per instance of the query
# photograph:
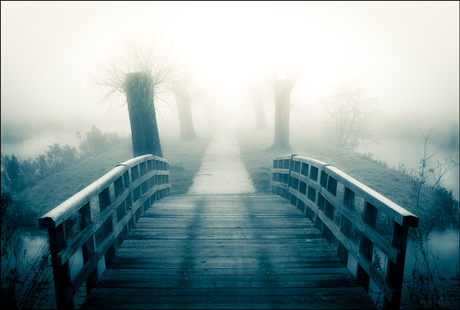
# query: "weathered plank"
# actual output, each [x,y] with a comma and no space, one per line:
[226,251]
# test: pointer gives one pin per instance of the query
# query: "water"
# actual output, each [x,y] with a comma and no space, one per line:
[445,248]
[29,246]
[408,152]
[38,145]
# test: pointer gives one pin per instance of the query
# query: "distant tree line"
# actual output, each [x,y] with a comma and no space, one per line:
[17,175]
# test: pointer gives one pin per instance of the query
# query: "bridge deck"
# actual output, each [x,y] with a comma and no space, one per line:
[226,251]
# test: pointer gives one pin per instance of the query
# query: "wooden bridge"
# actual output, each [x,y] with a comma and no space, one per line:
[227,251]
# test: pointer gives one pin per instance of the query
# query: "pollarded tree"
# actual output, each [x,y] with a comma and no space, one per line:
[141,69]
[348,115]
[282,79]
[184,94]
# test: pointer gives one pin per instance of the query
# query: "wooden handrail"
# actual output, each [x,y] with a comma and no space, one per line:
[98,218]
[325,194]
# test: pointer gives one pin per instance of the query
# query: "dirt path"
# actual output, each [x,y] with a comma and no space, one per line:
[222,170]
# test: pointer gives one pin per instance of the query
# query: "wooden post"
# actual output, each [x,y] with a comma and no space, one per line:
[366,247]
[329,211]
[321,205]
[345,227]
[61,273]
[395,272]
[89,249]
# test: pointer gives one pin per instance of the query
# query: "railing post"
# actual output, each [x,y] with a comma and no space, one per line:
[395,272]
[345,226]
[89,249]
[61,273]
[291,163]
[366,247]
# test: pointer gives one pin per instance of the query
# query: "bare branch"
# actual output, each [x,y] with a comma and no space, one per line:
[150,53]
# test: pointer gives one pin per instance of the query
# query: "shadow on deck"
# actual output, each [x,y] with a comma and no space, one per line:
[226,251]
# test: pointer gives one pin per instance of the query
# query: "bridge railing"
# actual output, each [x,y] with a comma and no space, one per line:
[97,219]
[346,211]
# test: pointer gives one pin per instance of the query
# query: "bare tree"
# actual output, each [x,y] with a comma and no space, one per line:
[282,79]
[140,70]
[424,162]
[441,169]
[184,94]
[348,115]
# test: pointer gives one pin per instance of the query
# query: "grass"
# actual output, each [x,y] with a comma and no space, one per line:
[184,158]
[437,208]
[388,181]
[25,283]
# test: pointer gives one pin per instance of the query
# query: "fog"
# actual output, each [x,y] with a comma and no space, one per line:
[406,55]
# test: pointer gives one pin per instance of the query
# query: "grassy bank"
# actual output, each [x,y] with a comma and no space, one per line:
[26,282]
[390,182]
[184,158]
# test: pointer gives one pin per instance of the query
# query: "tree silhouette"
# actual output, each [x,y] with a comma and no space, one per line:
[282,79]
[185,93]
[141,69]
[348,115]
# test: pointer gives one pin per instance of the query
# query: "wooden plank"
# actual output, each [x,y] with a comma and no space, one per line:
[213,271]
[318,300]
[234,251]
[273,291]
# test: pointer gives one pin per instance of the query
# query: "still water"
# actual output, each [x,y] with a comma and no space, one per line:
[444,247]
[408,152]
[38,145]
[30,244]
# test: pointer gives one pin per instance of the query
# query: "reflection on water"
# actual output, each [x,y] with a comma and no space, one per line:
[29,246]
[443,245]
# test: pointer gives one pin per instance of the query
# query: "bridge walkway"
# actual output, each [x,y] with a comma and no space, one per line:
[227,251]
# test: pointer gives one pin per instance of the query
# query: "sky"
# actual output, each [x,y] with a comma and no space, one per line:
[405,53]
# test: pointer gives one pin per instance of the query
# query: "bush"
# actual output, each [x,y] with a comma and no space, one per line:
[18,175]
[14,216]
[12,177]
[97,142]
[58,158]
[445,215]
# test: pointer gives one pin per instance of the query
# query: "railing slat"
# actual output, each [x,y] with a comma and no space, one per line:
[106,213]
[313,185]
[401,215]
[366,246]
[372,234]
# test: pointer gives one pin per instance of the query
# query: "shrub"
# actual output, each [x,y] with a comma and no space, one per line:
[97,142]
[12,176]
[57,158]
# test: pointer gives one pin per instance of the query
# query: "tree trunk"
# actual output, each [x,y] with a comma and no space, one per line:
[259,111]
[282,90]
[144,128]
[187,130]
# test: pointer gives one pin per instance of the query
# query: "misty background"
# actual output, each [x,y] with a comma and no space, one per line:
[405,54]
